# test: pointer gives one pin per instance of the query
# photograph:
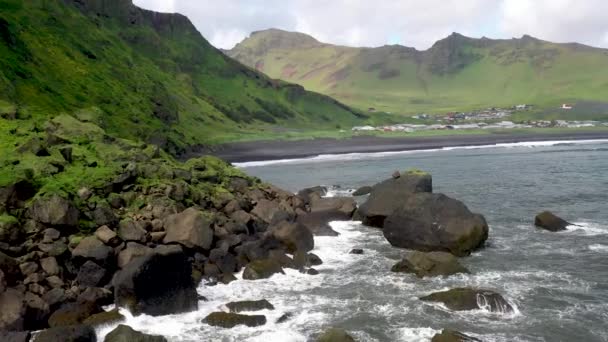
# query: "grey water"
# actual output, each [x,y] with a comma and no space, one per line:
[557,281]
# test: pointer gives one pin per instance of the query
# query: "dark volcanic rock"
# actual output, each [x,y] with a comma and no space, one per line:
[129,231]
[124,333]
[261,269]
[10,268]
[335,335]
[435,222]
[453,336]
[462,299]
[73,314]
[14,336]
[294,236]
[548,221]
[105,318]
[12,310]
[90,275]
[189,228]
[362,191]
[249,305]
[157,284]
[55,211]
[341,208]
[318,223]
[387,196]
[74,333]
[307,194]
[93,249]
[358,251]
[429,264]
[231,320]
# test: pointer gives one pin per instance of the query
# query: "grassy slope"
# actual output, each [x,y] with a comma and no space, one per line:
[457,73]
[142,75]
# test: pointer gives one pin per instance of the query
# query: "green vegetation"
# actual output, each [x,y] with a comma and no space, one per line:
[456,74]
[141,75]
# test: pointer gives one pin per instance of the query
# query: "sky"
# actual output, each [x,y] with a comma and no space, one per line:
[413,23]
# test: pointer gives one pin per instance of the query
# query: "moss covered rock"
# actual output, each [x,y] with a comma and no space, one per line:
[261,269]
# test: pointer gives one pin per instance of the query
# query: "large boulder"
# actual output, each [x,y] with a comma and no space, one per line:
[157,284]
[294,236]
[453,336]
[429,264]
[549,221]
[362,191]
[435,222]
[189,228]
[91,248]
[105,318]
[318,223]
[249,305]
[261,269]
[310,193]
[335,335]
[231,320]
[15,336]
[73,333]
[12,310]
[91,275]
[73,313]
[463,299]
[271,211]
[388,195]
[128,230]
[124,333]
[55,211]
[342,208]
[10,268]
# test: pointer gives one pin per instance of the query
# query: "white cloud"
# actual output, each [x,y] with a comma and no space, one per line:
[411,22]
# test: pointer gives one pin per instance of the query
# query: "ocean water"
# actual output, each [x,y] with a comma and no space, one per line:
[558,282]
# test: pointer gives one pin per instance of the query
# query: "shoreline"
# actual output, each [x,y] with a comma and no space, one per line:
[269,150]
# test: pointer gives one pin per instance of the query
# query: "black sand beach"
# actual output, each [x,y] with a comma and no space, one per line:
[280,149]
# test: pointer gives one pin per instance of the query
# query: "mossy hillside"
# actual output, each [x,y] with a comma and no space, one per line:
[142,75]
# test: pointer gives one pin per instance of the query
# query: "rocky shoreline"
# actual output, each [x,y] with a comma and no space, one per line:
[147,236]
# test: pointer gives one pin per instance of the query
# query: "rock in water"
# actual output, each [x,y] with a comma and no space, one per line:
[362,191]
[463,299]
[435,222]
[249,305]
[548,221]
[429,264]
[124,333]
[157,284]
[453,336]
[231,320]
[261,269]
[335,335]
[387,196]
[294,236]
[73,333]
[307,194]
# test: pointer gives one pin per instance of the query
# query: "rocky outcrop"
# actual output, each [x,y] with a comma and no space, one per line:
[15,336]
[314,192]
[231,320]
[249,305]
[549,221]
[435,222]
[462,299]
[294,236]
[261,269]
[156,284]
[124,333]
[189,228]
[453,336]
[388,195]
[335,335]
[55,211]
[429,264]
[13,310]
[362,191]
[73,333]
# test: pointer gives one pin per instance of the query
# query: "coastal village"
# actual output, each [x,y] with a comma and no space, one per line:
[490,118]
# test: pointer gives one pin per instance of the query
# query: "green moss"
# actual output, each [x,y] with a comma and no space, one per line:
[7,219]
[416,172]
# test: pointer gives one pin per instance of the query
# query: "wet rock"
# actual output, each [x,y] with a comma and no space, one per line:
[15,336]
[429,264]
[54,297]
[284,317]
[132,251]
[107,236]
[249,305]
[461,299]
[357,251]
[156,284]
[340,208]
[435,222]
[73,314]
[313,259]
[389,195]
[91,275]
[124,333]
[105,318]
[13,310]
[261,269]
[318,223]
[99,296]
[549,221]
[294,236]
[50,266]
[231,320]
[55,211]
[93,249]
[36,312]
[453,336]
[189,228]
[74,333]
[335,335]
[362,191]
[129,231]
[312,271]
[268,211]
[315,192]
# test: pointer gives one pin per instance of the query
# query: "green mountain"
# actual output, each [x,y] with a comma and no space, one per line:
[142,75]
[456,73]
